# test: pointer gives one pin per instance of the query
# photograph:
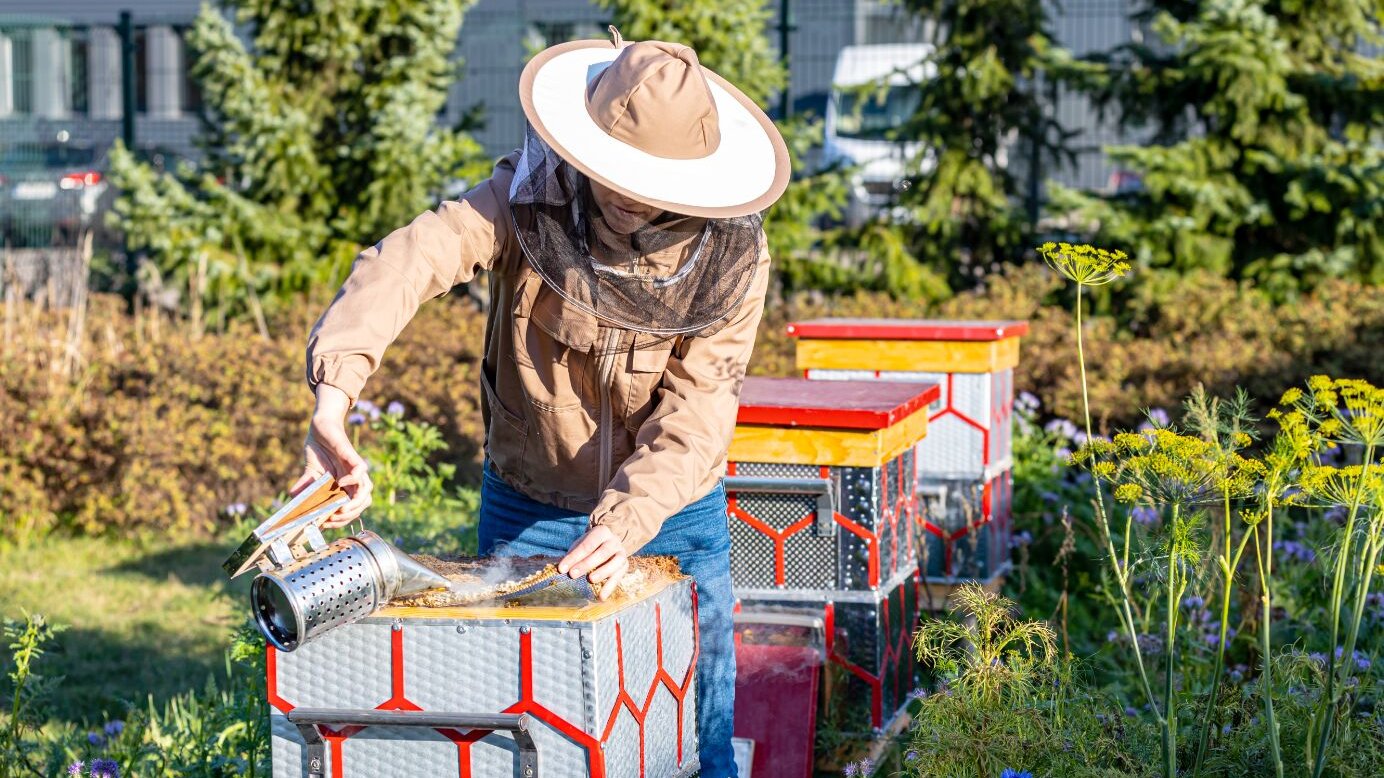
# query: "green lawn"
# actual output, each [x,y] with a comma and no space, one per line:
[144,618]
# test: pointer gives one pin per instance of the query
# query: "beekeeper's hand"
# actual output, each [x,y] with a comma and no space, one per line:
[599,556]
[328,450]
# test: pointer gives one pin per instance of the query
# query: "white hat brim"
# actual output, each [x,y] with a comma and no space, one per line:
[746,173]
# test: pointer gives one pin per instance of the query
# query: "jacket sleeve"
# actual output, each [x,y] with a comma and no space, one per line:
[388,281]
[686,437]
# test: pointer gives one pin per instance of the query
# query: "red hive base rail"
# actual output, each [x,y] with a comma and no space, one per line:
[595,758]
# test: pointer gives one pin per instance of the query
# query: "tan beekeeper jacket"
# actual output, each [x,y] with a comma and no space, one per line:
[629,435]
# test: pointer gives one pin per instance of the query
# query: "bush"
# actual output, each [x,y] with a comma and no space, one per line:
[160,430]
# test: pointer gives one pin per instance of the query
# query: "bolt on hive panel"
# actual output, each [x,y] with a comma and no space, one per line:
[609,688]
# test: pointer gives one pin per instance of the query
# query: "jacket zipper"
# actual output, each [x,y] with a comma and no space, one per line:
[607,379]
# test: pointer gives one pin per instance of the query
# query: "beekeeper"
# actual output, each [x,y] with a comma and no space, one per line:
[628,272]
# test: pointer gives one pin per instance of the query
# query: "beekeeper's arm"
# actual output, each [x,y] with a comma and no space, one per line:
[388,281]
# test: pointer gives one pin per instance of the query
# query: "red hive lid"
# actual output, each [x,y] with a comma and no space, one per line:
[798,402]
[908,329]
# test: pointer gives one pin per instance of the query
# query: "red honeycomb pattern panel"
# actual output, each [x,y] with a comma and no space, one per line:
[895,656]
[995,516]
[898,520]
[595,757]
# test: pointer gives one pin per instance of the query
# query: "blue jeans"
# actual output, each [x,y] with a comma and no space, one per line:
[698,536]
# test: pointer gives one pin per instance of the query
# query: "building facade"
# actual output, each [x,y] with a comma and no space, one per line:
[60,72]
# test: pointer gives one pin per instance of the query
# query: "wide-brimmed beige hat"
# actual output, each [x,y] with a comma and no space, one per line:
[647,120]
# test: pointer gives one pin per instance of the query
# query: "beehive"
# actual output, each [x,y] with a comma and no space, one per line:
[608,688]
[867,640]
[966,527]
[822,485]
[970,422]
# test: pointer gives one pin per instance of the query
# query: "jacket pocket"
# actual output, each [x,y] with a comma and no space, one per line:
[644,371]
[507,432]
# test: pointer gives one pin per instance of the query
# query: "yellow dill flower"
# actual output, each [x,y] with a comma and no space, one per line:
[1129,493]
[1103,469]
[1252,517]
[1085,264]
[1241,439]
[1290,397]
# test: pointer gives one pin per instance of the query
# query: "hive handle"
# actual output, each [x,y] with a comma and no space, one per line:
[309,719]
[825,526]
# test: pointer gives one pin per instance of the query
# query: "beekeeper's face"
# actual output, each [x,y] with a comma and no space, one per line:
[623,214]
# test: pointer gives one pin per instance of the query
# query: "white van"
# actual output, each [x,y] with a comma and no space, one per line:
[859,123]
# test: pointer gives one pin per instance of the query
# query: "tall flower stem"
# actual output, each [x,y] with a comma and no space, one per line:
[1229,563]
[1174,593]
[1123,610]
[1331,699]
[1264,560]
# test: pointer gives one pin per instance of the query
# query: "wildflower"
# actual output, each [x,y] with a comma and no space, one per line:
[1237,676]
[395,408]
[867,766]
[911,756]
[918,694]
[1009,773]
[1112,636]
[76,767]
[1225,728]
[1084,264]
[850,770]
[1144,514]
[104,768]
[356,418]
[236,509]
[1318,657]
[1063,428]
[1193,602]
[114,728]
[1362,661]
[1050,496]
[1022,539]
[1157,417]
[1131,711]
[95,739]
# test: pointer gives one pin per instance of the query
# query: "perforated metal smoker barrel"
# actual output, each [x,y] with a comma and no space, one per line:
[340,584]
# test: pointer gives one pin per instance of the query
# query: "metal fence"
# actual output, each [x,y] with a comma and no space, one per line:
[62,84]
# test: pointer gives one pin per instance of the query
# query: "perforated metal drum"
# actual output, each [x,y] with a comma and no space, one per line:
[344,582]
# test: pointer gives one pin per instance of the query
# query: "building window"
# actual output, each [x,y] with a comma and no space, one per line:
[22,83]
[78,51]
[141,70]
[192,91]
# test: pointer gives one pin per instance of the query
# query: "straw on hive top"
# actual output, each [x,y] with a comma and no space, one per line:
[484,580]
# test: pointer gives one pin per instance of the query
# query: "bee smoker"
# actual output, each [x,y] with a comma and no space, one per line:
[307,586]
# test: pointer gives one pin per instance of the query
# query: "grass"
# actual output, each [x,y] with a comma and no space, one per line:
[146,617]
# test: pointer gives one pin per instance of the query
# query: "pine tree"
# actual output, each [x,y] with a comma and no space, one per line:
[321,135]
[1267,152]
[981,123]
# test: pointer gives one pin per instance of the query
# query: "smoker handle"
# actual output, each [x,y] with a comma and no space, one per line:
[825,526]
[309,719]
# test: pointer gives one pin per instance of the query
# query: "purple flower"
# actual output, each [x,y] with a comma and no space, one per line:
[1021,539]
[1130,711]
[1293,551]
[1144,514]
[1028,401]
[1062,428]
[95,739]
[1112,636]
[1225,728]
[76,767]
[104,768]
[851,769]
[918,694]
[395,408]
[1159,417]
[236,509]
[867,766]
[356,418]
[911,756]
[114,728]
[1193,602]
[1008,773]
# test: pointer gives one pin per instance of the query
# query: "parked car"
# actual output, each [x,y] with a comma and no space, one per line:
[861,121]
[49,192]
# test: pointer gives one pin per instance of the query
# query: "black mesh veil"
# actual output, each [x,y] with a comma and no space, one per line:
[679,275]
